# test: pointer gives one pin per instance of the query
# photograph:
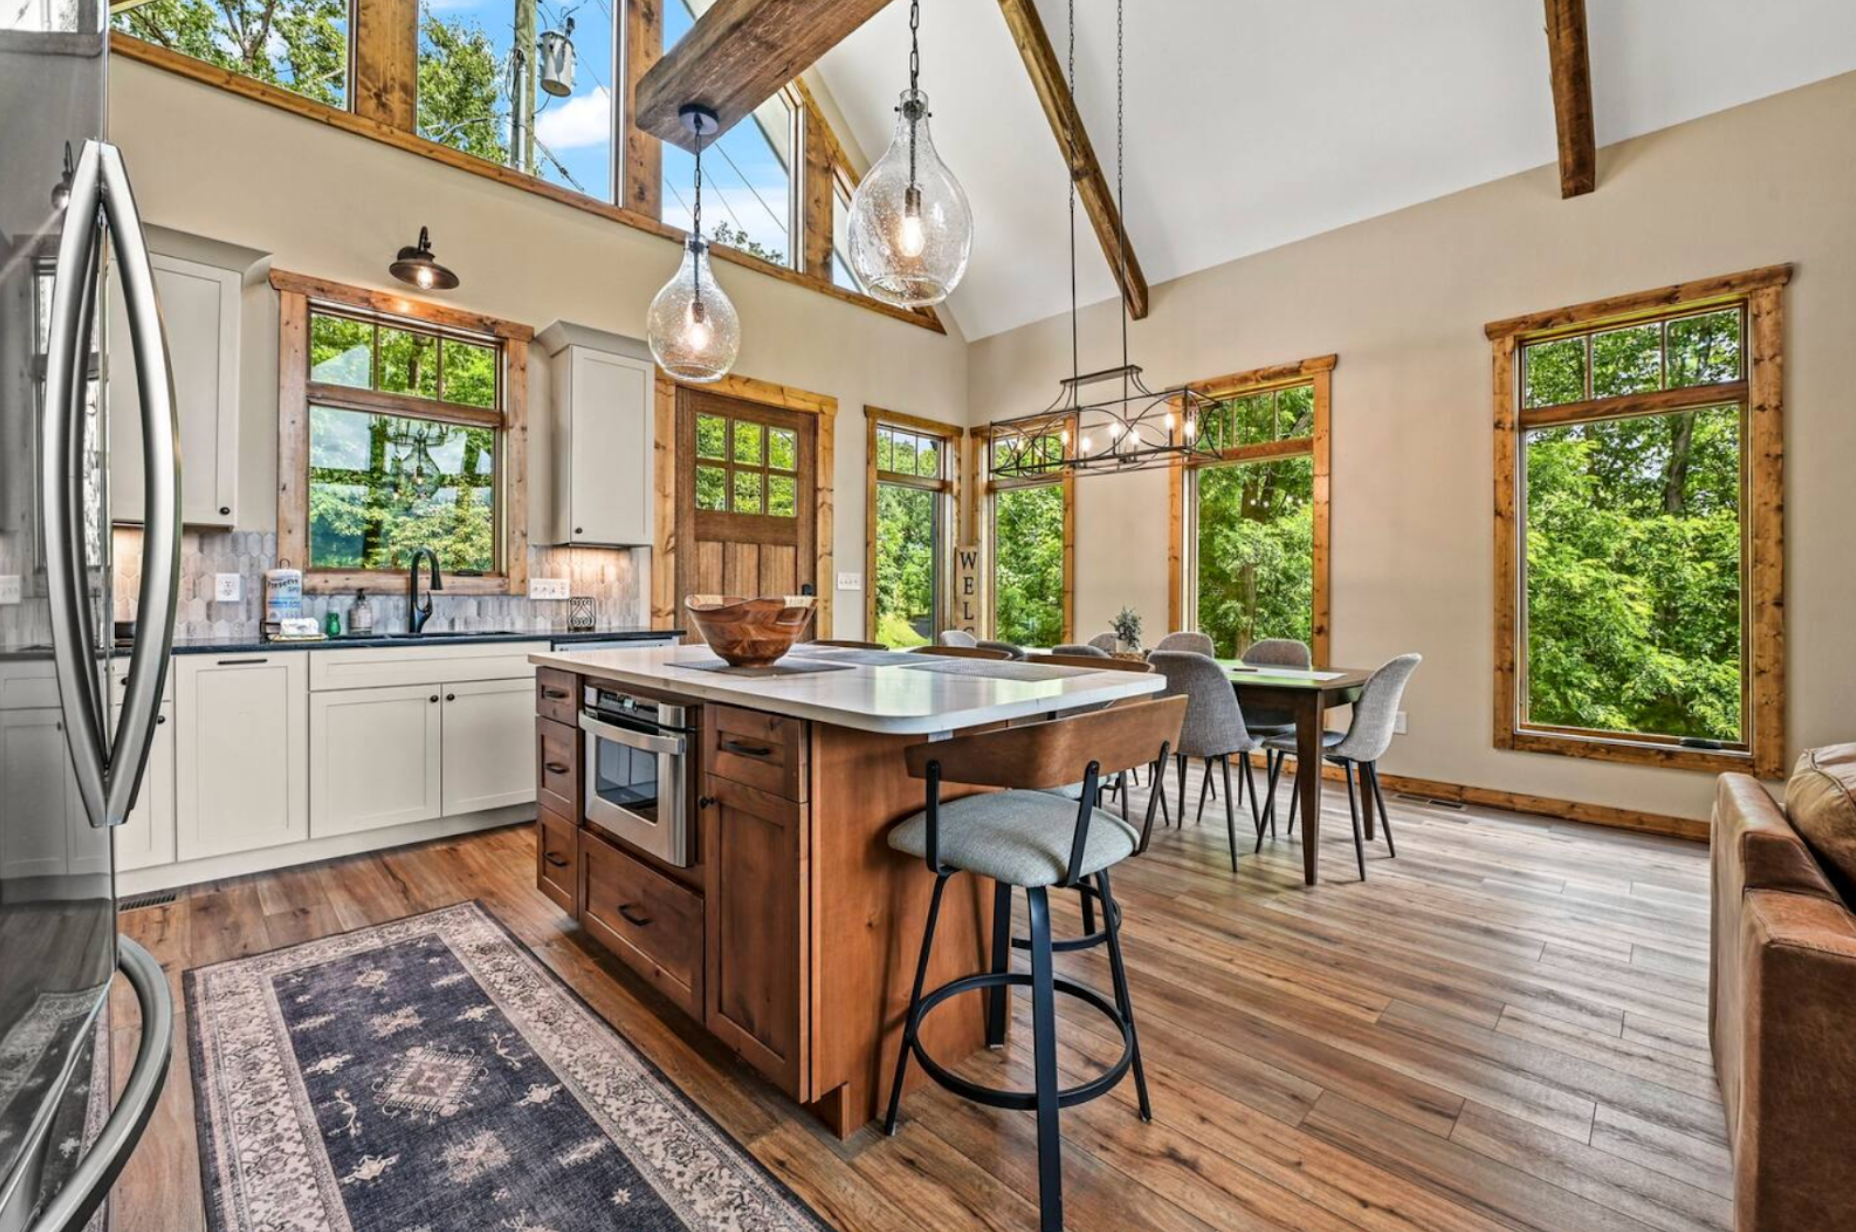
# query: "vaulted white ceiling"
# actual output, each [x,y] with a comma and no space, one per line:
[1253,123]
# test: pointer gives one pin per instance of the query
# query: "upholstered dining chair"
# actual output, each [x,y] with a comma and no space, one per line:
[1012,649]
[1105,642]
[1081,650]
[1213,730]
[1275,652]
[1358,749]
[1197,643]
[956,637]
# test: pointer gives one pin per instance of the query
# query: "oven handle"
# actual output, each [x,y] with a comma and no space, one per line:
[643,741]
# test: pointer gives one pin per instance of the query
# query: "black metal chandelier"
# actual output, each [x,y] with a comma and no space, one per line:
[1141,428]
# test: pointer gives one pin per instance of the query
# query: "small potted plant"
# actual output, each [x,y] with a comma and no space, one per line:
[1127,629]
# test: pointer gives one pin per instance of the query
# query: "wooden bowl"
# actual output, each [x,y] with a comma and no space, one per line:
[751,632]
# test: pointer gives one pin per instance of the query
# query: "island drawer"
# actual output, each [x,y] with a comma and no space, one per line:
[556,859]
[765,751]
[554,696]
[557,767]
[645,918]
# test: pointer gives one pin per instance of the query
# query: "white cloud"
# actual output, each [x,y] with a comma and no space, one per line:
[582,121]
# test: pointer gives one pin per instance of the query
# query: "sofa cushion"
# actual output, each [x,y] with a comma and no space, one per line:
[1820,801]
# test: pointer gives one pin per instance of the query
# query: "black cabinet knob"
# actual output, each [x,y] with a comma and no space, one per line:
[160,719]
[451,697]
[225,511]
[703,802]
[434,699]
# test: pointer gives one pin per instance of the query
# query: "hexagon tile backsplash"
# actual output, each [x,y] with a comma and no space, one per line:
[611,576]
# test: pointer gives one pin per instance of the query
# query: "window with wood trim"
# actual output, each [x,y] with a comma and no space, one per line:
[1249,530]
[1032,545]
[397,430]
[913,479]
[1638,500]
[302,46]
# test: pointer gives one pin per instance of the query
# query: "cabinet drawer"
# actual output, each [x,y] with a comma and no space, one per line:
[765,751]
[556,860]
[645,918]
[554,696]
[557,767]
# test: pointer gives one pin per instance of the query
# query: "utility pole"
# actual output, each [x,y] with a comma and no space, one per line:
[522,90]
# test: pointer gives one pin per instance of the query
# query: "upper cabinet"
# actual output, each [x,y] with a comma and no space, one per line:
[199,295]
[602,388]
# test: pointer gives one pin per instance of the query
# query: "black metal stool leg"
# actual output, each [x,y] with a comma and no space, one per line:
[1044,1052]
[999,1000]
[1385,818]
[913,1021]
[1230,809]
[1124,1000]
[1089,912]
[1353,806]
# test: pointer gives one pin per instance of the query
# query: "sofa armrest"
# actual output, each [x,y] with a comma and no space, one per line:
[1795,1129]
[1755,847]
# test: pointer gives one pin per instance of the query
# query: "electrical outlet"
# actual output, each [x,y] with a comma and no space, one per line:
[9,588]
[1398,723]
[228,587]
[547,588]
[850,581]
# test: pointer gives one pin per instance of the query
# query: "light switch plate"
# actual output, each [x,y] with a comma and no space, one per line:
[850,581]
[1398,723]
[547,588]
[228,587]
[9,588]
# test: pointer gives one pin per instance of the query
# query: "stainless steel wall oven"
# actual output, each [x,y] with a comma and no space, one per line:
[641,766]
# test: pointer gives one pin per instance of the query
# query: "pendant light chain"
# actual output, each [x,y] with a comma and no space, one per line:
[1121,207]
[1076,363]
[915,76]
[696,225]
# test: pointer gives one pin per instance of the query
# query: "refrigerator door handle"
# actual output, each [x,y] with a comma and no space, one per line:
[89,1183]
[154,638]
[61,465]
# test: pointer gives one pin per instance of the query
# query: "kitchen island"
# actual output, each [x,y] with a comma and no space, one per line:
[723,832]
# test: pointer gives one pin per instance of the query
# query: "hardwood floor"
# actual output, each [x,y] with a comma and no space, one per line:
[1503,1028]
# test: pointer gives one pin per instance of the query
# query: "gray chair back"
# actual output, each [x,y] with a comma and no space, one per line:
[1195,643]
[1012,651]
[1214,725]
[1279,652]
[1104,642]
[1376,712]
[1090,651]
[956,637]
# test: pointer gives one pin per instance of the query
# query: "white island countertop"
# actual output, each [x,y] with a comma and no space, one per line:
[892,693]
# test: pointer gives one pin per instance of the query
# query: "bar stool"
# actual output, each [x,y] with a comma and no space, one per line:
[1026,838]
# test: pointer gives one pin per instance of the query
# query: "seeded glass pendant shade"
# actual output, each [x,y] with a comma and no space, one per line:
[694,331]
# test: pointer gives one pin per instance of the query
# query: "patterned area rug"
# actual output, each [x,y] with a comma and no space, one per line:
[431,1075]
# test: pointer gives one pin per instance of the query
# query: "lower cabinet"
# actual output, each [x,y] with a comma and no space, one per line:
[35,775]
[557,860]
[374,758]
[489,761]
[644,917]
[241,752]
[146,838]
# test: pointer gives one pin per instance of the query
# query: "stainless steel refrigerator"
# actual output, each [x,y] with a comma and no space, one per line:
[71,759]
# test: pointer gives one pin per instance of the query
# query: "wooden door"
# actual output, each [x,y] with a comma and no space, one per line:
[746,493]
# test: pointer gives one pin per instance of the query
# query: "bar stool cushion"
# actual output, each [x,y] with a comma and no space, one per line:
[1021,838]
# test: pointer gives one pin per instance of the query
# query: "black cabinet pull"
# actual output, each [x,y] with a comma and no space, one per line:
[632,917]
[555,767]
[434,699]
[241,662]
[160,719]
[225,511]
[703,802]
[556,860]
[451,697]
[745,750]
[559,695]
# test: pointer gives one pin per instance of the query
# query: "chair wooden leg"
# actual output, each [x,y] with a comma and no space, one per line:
[1353,806]
[1044,1066]
[1230,808]
[1385,818]
[1204,786]
[1124,1000]
[913,1022]
[999,1000]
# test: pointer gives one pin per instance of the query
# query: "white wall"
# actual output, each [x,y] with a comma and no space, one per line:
[1402,299]
[338,206]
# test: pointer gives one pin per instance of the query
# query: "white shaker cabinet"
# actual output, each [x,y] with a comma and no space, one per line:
[241,752]
[374,758]
[35,774]
[200,312]
[489,745]
[146,838]
[604,426]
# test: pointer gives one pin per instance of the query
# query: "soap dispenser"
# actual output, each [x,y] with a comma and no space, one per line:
[361,615]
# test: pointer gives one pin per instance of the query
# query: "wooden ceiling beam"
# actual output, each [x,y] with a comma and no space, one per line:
[1092,186]
[738,55]
[1572,96]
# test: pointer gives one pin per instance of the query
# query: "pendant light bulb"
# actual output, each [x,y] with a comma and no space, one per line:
[911,236]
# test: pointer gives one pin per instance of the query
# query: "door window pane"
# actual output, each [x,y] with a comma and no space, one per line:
[711,488]
[907,549]
[747,443]
[300,45]
[783,449]
[782,496]
[747,492]
[711,436]
[1028,564]
[1254,553]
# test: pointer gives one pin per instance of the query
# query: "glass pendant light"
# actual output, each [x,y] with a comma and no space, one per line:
[911,226]
[692,327]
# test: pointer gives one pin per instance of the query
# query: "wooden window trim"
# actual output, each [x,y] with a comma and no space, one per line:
[666,604]
[952,438]
[296,293]
[988,490]
[1318,445]
[389,131]
[1761,393]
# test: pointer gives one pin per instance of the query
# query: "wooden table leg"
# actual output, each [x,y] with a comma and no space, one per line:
[1308,758]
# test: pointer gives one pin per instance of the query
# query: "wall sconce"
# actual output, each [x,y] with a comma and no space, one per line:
[417,266]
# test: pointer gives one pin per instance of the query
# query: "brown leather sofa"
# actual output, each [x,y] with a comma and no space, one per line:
[1783,998]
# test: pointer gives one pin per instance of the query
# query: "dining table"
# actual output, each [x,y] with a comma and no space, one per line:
[1307,696]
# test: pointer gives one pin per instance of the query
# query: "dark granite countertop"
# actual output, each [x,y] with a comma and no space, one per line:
[609,633]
